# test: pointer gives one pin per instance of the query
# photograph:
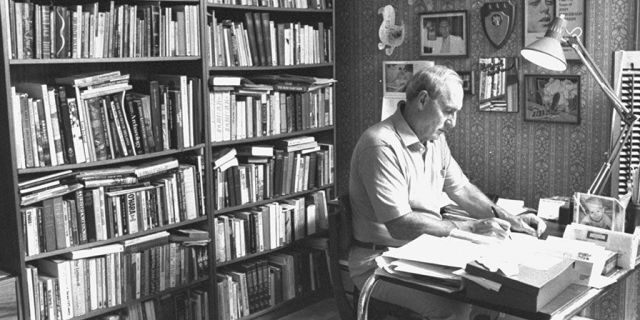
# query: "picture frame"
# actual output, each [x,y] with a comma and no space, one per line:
[552,98]
[538,15]
[451,24]
[598,211]
[395,75]
[498,84]
[468,81]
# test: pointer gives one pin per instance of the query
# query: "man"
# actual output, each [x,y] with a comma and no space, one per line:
[399,170]
[447,42]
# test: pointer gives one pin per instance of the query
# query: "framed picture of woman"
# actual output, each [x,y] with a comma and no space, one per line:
[538,15]
[552,98]
[444,34]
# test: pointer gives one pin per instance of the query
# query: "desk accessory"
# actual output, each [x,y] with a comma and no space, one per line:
[623,243]
[547,52]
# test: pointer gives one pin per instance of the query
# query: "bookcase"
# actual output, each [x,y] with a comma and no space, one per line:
[133,187]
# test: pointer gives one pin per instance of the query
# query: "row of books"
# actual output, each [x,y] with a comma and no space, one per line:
[259,41]
[269,226]
[43,31]
[237,113]
[63,212]
[186,305]
[263,177]
[300,4]
[254,285]
[102,121]
[64,288]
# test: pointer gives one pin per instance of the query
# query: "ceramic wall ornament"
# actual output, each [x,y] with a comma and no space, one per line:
[391,35]
[498,20]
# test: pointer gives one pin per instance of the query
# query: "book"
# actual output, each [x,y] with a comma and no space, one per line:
[95,251]
[155,167]
[57,176]
[222,156]
[255,150]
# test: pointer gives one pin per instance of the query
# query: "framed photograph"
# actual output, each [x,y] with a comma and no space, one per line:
[598,211]
[444,34]
[552,98]
[538,15]
[498,84]
[395,75]
[468,83]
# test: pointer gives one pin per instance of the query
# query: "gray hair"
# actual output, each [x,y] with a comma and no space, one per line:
[432,79]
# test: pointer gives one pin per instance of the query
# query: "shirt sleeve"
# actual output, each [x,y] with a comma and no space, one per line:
[384,182]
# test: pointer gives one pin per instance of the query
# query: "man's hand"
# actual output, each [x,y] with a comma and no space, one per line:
[492,227]
[528,223]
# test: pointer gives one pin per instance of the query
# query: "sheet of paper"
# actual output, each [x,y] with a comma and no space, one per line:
[389,106]
[549,208]
[511,205]
[450,252]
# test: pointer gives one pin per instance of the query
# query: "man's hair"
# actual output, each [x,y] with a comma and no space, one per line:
[432,79]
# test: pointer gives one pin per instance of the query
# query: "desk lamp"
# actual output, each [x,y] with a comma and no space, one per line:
[547,53]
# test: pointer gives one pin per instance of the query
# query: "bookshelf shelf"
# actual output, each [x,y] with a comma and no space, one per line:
[105,311]
[274,199]
[116,239]
[261,253]
[272,9]
[110,162]
[273,137]
[271,68]
[100,60]
[292,304]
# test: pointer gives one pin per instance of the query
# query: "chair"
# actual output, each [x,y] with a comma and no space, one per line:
[340,237]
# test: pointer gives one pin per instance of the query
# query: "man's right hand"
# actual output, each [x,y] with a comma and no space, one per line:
[492,227]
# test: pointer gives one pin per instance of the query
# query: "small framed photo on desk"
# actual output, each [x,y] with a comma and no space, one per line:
[598,211]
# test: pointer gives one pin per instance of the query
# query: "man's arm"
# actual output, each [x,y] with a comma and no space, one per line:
[478,205]
[413,224]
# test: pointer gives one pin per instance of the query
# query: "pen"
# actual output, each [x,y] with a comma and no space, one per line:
[495,214]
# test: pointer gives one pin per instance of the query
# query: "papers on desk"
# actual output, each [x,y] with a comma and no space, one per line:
[437,277]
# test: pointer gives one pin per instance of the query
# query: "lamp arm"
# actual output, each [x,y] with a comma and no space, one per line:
[625,115]
[605,171]
[575,43]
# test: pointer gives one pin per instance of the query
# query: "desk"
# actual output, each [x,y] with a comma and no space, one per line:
[568,303]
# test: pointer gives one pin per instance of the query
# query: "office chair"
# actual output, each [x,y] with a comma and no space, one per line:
[340,237]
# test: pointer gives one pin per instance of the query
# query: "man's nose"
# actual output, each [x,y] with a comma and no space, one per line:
[451,122]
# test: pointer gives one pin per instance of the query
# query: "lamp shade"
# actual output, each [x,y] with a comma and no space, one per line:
[547,52]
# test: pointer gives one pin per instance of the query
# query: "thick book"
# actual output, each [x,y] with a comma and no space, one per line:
[155,167]
[253,41]
[222,156]
[528,290]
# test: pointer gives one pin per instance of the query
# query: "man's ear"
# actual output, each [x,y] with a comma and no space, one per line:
[423,97]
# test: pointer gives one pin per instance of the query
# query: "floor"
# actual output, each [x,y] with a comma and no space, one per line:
[322,310]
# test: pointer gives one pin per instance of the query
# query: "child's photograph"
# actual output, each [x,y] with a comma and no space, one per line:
[598,211]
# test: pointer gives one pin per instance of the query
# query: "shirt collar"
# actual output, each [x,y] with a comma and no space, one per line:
[403,129]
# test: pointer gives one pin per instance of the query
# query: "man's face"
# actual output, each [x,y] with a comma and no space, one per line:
[439,115]
[444,28]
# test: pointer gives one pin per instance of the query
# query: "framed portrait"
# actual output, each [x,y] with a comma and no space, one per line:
[468,83]
[395,75]
[538,16]
[552,98]
[598,211]
[444,34]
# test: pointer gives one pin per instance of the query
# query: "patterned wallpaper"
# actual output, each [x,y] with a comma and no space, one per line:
[500,152]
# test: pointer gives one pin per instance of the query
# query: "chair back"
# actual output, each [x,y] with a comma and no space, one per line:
[340,237]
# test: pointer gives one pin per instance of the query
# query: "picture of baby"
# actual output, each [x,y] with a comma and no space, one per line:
[598,211]
[595,213]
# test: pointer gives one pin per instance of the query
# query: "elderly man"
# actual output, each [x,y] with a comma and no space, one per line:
[400,168]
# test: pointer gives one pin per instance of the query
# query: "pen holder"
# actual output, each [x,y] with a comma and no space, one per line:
[632,217]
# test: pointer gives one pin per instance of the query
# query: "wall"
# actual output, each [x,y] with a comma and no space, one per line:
[500,152]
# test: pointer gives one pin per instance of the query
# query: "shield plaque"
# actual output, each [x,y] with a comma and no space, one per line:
[498,20]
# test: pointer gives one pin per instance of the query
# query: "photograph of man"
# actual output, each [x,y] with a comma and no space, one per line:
[540,13]
[446,41]
[400,171]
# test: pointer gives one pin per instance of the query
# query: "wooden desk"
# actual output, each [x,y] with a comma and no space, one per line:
[568,303]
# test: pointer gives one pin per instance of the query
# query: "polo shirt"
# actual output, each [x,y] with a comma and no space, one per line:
[392,173]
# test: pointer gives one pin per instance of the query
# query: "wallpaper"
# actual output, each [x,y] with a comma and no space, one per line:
[500,152]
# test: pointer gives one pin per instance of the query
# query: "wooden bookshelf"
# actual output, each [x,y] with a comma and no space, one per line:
[142,67]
